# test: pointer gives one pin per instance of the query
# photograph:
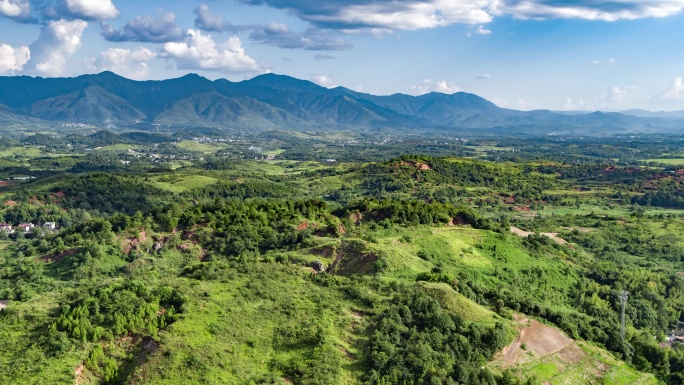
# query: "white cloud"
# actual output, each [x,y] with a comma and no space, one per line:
[482,31]
[592,10]
[441,86]
[200,52]
[57,42]
[571,104]
[128,63]
[208,21]
[418,14]
[674,91]
[609,61]
[17,9]
[13,59]
[406,15]
[145,29]
[93,9]
[323,81]
[324,56]
[615,94]
[483,77]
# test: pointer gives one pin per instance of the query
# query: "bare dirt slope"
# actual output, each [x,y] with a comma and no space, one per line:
[523,233]
[536,340]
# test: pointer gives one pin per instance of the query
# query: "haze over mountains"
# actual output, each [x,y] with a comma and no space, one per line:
[276,101]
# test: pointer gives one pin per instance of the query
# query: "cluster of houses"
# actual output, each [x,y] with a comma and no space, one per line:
[25,227]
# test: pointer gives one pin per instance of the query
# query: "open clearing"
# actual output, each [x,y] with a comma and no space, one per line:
[3,304]
[524,233]
[535,340]
[554,358]
[673,162]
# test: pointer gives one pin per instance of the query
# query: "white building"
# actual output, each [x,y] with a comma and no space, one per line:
[49,226]
[26,227]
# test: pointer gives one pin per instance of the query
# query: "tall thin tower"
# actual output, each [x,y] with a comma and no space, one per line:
[623,301]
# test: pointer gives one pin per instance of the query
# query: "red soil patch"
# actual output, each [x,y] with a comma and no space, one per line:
[540,340]
[78,373]
[10,203]
[520,232]
[6,183]
[356,218]
[457,221]
[303,226]
[555,237]
[128,244]
[418,165]
[4,303]
[571,354]
[59,194]
[341,229]
[525,209]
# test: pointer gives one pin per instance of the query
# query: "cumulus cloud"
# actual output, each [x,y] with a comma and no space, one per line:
[324,56]
[674,91]
[13,59]
[15,9]
[213,22]
[480,30]
[128,63]
[615,94]
[323,81]
[57,42]
[279,35]
[200,52]
[419,14]
[428,86]
[163,29]
[92,9]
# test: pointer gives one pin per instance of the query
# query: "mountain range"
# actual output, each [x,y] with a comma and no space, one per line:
[276,101]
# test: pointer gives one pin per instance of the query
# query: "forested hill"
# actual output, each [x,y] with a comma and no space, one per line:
[276,101]
[417,270]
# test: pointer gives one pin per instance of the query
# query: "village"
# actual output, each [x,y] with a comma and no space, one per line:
[25,228]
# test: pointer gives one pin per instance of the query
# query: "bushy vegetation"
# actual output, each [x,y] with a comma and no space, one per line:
[401,271]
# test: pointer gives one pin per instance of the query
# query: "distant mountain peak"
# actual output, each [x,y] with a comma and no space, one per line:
[271,101]
[284,82]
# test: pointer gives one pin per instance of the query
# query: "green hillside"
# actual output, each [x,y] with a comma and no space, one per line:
[170,267]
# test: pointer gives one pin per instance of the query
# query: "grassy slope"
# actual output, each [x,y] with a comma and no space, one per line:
[226,335]
[465,249]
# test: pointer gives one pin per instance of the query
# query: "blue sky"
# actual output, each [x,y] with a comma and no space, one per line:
[521,54]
